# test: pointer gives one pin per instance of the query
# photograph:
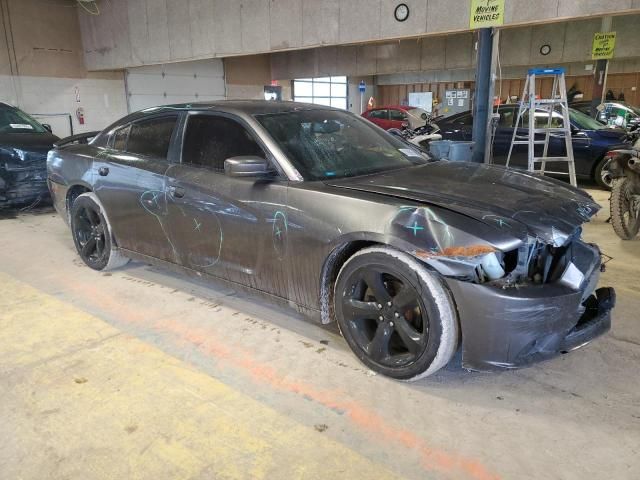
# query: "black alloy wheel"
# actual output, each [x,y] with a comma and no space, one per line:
[92,236]
[397,316]
[385,316]
[602,174]
[89,234]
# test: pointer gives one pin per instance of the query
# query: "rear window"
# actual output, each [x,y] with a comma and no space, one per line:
[151,137]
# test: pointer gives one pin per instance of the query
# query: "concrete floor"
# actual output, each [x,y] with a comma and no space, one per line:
[142,374]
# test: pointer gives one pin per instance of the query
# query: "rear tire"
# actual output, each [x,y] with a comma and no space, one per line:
[92,235]
[623,217]
[397,316]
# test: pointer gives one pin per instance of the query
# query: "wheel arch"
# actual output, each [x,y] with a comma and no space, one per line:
[344,248]
[596,166]
[73,192]
[329,274]
[95,198]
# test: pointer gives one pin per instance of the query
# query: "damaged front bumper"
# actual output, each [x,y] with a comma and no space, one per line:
[23,184]
[515,326]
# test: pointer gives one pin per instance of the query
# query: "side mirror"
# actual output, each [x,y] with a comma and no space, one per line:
[247,166]
[47,127]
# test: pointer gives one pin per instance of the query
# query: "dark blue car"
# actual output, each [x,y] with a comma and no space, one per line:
[591,140]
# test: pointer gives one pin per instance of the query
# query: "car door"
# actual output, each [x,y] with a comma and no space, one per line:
[580,142]
[381,118]
[130,183]
[231,227]
[520,152]
[398,119]
[460,128]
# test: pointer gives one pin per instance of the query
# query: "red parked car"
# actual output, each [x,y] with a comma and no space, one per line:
[397,116]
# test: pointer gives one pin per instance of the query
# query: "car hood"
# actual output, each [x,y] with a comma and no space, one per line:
[515,202]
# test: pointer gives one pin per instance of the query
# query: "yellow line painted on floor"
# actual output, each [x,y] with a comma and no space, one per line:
[80,399]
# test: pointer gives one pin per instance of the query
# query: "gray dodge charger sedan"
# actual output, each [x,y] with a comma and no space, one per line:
[325,211]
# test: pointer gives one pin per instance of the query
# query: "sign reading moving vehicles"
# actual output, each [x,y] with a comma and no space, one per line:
[486,13]
[603,45]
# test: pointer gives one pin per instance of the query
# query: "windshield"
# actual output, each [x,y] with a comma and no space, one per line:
[13,120]
[584,121]
[324,144]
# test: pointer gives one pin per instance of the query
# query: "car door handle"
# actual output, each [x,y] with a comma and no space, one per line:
[103,171]
[177,192]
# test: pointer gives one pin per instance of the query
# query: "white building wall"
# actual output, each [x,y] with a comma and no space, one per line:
[197,81]
[103,100]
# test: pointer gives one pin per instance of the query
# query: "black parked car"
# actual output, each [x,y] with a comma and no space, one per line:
[329,213]
[24,144]
[591,140]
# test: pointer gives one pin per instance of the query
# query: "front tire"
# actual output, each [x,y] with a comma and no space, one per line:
[624,217]
[92,236]
[602,175]
[397,316]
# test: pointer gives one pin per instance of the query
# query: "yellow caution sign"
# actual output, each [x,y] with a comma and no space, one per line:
[603,45]
[486,13]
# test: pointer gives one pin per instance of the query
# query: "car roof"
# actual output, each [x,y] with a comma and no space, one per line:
[237,107]
[249,107]
[393,107]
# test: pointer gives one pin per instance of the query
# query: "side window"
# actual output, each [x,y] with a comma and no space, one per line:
[210,140]
[379,114]
[541,120]
[120,138]
[151,137]
[397,115]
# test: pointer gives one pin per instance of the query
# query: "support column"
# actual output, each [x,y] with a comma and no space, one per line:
[600,74]
[491,125]
[481,103]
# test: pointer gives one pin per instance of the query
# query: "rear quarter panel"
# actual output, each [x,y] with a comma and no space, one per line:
[68,167]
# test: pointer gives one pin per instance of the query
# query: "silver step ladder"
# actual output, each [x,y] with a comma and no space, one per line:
[529,103]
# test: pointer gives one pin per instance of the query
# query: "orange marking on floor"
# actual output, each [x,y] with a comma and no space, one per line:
[432,458]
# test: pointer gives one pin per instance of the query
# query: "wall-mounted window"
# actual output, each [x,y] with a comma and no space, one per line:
[330,91]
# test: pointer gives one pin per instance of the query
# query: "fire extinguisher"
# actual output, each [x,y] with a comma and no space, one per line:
[80,115]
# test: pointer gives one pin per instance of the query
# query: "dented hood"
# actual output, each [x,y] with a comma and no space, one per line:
[512,201]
